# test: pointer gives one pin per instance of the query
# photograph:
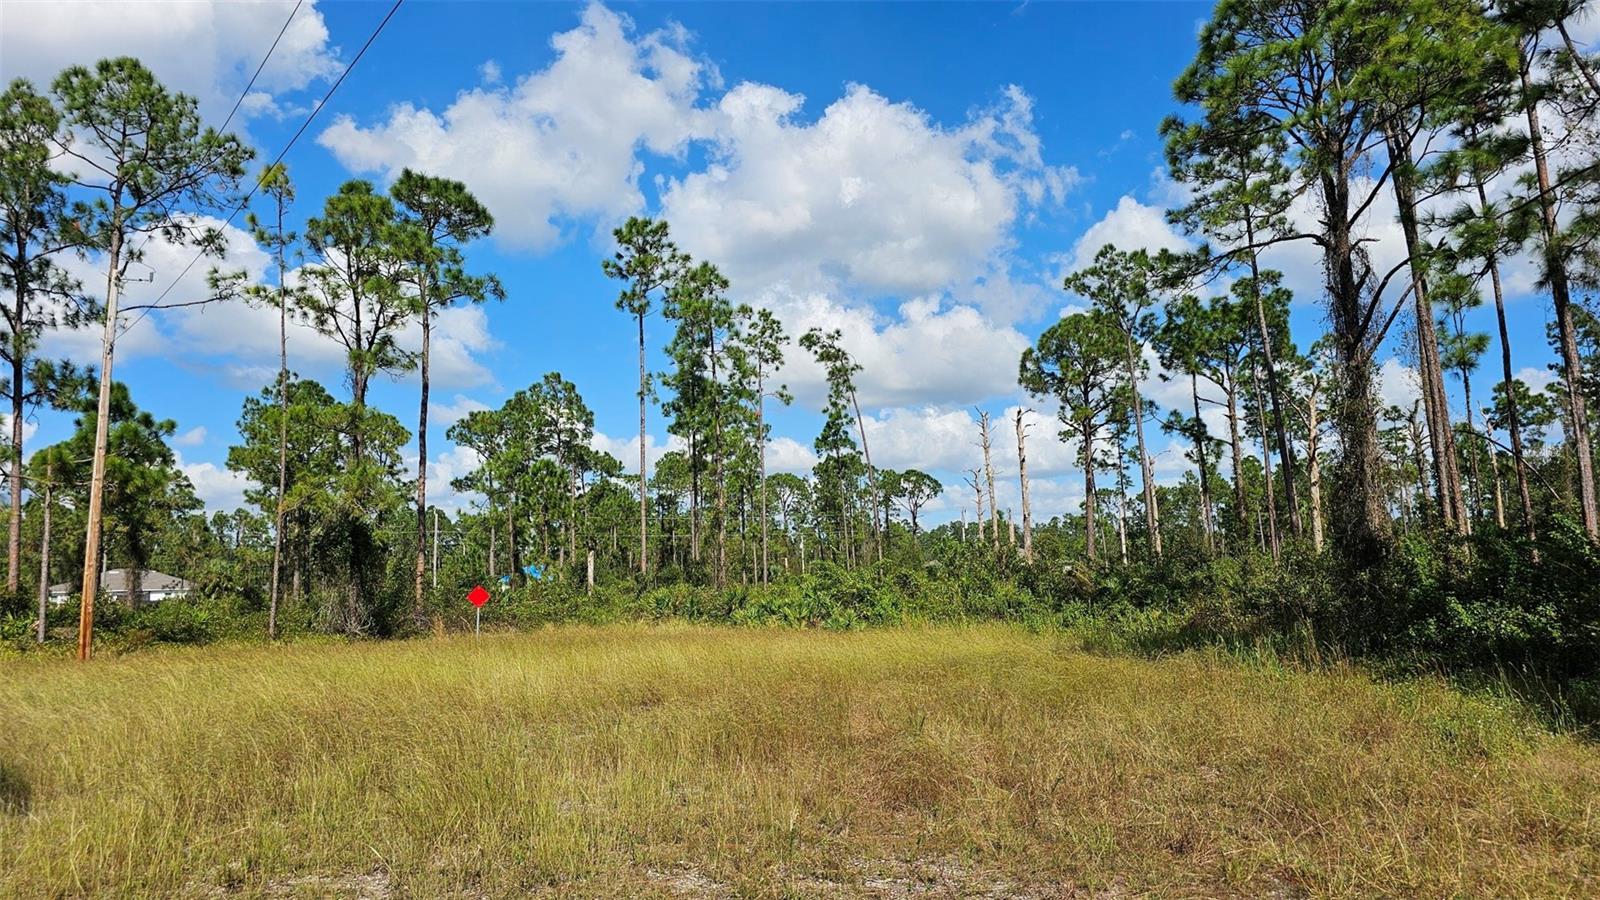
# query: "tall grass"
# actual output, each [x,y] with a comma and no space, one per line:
[675,760]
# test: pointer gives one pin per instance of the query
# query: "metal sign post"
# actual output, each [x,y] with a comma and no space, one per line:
[477,597]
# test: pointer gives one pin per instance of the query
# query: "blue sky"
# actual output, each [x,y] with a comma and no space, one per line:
[919,175]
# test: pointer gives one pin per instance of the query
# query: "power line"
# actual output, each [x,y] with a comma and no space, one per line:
[240,102]
[252,82]
[279,158]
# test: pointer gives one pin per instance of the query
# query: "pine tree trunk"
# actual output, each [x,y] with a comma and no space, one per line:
[722,482]
[1285,448]
[355,611]
[847,547]
[1513,415]
[872,474]
[44,552]
[1152,513]
[694,495]
[1430,371]
[1421,461]
[1577,419]
[1314,473]
[1122,519]
[1205,467]
[1087,448]
[512,547]
[14,525]
[1266,465]
[761,439]
[644,491]
[1579,62]
[1240,498]
[421,568]
[1474,475]
[275,589]
[1361,524]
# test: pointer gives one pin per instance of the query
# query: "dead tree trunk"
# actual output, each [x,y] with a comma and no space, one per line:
[988,474]
[1022,477]
[974,478]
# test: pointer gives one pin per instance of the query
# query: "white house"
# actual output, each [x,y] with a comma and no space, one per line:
[153,587]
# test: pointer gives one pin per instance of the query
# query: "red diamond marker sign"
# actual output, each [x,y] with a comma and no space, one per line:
[478,596]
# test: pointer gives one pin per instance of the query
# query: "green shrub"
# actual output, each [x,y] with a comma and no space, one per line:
[16,630]
[181,620]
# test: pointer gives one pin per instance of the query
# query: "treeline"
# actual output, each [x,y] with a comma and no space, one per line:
[1477,123]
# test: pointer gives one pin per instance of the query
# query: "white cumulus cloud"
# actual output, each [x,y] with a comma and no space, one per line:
[208,50]
[558,144]
[873,195]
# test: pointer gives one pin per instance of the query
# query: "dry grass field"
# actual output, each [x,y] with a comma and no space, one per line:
[696,762]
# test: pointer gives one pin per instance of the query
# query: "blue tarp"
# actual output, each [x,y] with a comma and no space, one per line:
[533,572]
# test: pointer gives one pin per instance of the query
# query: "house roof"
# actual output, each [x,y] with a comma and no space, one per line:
[115,581]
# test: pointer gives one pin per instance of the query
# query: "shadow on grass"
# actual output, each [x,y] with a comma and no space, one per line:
[1568,706]
[16,795]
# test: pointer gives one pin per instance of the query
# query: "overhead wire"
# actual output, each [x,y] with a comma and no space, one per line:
[240,206]
[238,103]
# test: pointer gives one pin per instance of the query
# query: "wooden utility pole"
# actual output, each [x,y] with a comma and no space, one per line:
[1022,475]
[988,474]
[97,479]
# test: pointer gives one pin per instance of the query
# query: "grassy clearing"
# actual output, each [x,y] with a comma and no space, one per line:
[663,761]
